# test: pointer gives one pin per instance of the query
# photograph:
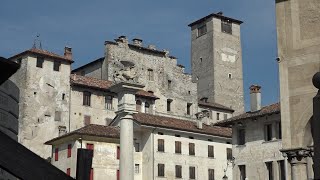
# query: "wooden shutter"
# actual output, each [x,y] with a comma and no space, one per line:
[178,171]
[68,171]
[91,174]
[229,154]
[211,174]
[91,147]
[118,152]
[56,154]
[178,147]
[210,151]
[69,150]
[192,172]
[118,174]
[161,170]
[161,145]
[191,149]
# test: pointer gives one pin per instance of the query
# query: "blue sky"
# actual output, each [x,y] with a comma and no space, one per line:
[85,25]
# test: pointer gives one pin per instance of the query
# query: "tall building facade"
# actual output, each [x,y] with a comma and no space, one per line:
[216,60]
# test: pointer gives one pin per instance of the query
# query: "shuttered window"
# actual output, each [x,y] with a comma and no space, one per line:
[178,171]
[68,171]
[56,154]
[91,147]
[178,147]
[229,154]
[161,170]
[211,174]
[192,172]
[210,151]
[161,145]
[191,149]
[91,174]
[86,98]
[69,150]
[118,152]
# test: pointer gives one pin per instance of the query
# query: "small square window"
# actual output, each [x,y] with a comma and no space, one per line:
[226,26]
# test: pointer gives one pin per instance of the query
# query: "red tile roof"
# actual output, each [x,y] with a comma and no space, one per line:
[267,110]
[44,53]
[91,130]
[100,84]
[178,124]
[214,105]
[86,81]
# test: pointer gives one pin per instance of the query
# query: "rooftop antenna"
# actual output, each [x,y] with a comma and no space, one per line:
[36,41]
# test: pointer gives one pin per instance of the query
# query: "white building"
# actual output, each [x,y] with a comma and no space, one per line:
[256,140]
[165,148]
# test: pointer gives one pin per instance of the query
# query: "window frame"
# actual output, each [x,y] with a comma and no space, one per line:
[40,61]
[161,170]
[268,135]
[202,30]
[178,147]
[178,171]
[226,26]
[109,102]
[192,172]
[160,145]
[192,149]
[86,98]
[229,154]
[210,151]
[56,65]
[69,150]
[189,108]
[241,136]
[137,168]
[211,174]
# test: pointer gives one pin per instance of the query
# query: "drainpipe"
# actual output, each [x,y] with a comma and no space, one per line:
[153,153]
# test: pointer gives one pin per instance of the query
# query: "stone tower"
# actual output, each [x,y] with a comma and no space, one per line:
[44,83]
[216,60]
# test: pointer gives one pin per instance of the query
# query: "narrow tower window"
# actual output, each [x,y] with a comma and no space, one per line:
[226,26]
[202,30]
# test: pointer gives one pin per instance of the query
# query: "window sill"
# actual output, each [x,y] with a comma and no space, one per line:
[160,151]
[239,146]
[271,141]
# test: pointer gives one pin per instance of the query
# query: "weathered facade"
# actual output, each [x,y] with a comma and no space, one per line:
[257,141]
[216,60]
[298,23]
[44,83]
[149,131]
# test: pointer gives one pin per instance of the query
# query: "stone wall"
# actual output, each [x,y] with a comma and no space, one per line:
[164,67]
[256,151]
[215,56]
[42,107]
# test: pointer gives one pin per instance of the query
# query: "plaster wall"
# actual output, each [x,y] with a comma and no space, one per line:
[256,151]
[97,111]
[41,95]
[200,160]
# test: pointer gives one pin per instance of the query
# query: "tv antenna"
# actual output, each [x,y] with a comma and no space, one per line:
[37,42]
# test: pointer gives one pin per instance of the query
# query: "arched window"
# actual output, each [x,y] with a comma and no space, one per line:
[138,105]
[147,107]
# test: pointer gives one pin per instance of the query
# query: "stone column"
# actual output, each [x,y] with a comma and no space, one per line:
[298,160]
[126,108]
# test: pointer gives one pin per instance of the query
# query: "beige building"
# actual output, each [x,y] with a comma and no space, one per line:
[165,148]
[257,141]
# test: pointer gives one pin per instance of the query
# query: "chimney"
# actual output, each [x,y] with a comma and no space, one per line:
[151,46]
[255,98]
[68,52]
[62,130]
[137,42]
[122,39]
[199,116]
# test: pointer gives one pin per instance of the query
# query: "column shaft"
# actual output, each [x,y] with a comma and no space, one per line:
[126,148]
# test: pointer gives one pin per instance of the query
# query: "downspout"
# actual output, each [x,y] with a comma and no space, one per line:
[153,153]
[69,105]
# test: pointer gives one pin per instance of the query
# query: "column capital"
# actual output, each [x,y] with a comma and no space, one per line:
[297,155]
